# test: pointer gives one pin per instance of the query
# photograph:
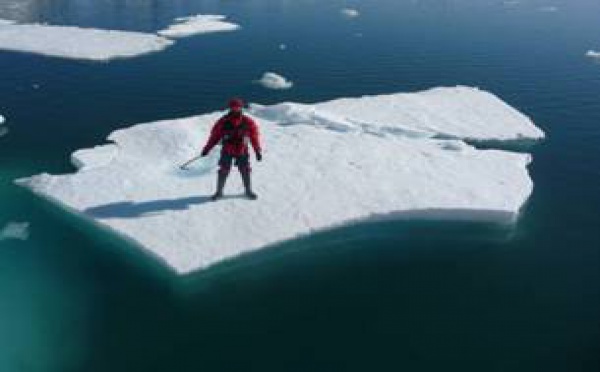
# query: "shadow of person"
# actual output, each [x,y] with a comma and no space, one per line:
[128,209]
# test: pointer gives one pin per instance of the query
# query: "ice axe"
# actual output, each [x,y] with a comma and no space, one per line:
[184,165]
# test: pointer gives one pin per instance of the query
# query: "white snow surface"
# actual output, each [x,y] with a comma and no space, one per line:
[78,43]
[324,166]
[15,230]
[272,80]
[95,157]
[198,24]
[461,112]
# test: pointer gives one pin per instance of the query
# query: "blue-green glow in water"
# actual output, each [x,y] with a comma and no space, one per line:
[391,296]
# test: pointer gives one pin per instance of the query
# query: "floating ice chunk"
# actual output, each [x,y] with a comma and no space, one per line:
[511,3]
[327,171]
[271,80]
[3,128]
[282,47]
[78,43]
[350,13]
[198,24]
[549,9]
[593,54]
[15,230]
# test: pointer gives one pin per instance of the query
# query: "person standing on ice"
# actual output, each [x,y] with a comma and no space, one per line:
[234,130]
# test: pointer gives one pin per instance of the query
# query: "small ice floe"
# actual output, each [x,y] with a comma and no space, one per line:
[549,9]
[198,24]
[15,230]
[3,128]
[282,46]
[593,54]
[350,13]
[271,80]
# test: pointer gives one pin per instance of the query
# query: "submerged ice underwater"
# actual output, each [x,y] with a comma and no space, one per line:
[284,285]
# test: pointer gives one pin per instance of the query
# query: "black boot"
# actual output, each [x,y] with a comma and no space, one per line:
[221,178]
[248,185]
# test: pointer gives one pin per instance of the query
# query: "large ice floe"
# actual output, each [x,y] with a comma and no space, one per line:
[328,164]
[102,45]
[78,43]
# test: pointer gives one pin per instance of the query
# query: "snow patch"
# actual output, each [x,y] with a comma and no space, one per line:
[198,24]
[287,114]
[15,230]
[460,112]
[325,165]
[78,43]
[271,80]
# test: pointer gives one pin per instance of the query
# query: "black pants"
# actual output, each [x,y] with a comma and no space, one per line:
[242,162]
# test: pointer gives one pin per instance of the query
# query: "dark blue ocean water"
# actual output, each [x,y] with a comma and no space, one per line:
[382,297]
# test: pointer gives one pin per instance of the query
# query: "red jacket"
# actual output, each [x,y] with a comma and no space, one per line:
[234,131]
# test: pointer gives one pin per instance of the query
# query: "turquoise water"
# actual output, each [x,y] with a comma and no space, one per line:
[390,296]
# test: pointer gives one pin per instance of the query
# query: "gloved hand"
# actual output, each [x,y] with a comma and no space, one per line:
[259,156]
[204,153]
